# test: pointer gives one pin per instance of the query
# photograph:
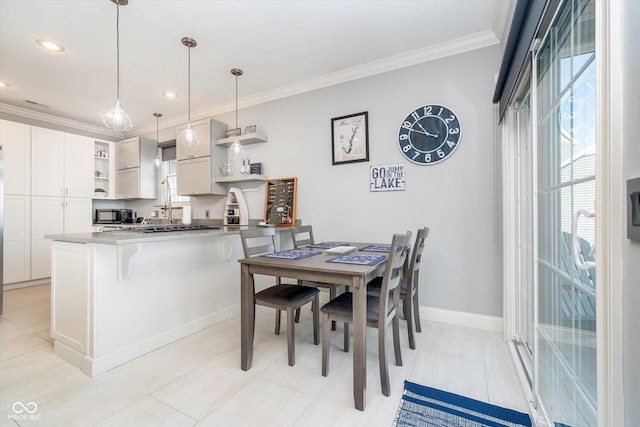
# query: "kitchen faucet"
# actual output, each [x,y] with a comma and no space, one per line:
[167,198]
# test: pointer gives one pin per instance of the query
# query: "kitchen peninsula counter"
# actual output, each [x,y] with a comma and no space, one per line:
[117,295]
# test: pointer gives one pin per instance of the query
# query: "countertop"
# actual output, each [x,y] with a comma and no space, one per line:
[125,237]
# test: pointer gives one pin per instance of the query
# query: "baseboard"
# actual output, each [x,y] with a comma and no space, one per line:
[20,285]
[461,318]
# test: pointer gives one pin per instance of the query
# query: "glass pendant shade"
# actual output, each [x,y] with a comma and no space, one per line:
[189,137]
[117,119]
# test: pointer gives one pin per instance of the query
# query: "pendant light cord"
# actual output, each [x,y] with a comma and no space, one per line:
[189,86]
[236,102]
[118,51]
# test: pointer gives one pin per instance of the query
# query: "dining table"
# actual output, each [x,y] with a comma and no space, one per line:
[318,268]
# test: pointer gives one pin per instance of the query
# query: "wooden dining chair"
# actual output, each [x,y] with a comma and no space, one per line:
[302,237]
[381,310]
[282,297]
[408,286]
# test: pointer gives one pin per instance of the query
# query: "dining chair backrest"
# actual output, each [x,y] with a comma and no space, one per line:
[416,257]
[302,236]
[258,241]
[393,273]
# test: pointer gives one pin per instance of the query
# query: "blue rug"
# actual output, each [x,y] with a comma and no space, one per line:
[426,406]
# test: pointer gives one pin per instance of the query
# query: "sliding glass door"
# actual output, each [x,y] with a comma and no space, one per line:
[554,128]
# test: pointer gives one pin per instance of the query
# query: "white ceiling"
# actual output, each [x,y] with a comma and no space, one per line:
[283,46]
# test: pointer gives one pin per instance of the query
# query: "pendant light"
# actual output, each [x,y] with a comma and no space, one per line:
[157,162]
[116,118]
[236,153]
[189,137]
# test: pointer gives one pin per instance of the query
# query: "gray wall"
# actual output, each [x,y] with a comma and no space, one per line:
[455,198]
[631,250]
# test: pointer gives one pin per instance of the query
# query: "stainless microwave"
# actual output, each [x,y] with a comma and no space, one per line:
[114,216]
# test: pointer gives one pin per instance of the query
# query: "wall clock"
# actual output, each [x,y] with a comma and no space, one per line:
[429,134]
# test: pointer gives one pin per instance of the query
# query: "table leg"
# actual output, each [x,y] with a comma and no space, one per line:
[247,317]
[359,342]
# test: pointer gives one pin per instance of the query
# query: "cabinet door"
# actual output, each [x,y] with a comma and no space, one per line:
[47,217]
[128,153]
[47,162]
[203,130]
[15,139]
[194,176]
[17,240]
[78,166]
[77,215]
[128,185]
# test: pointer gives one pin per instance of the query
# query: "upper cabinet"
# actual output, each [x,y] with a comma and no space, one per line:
[136,175]
[198,165]
[203,130]
[15,139]
[61,164]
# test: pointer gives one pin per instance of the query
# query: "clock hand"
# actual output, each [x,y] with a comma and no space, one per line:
[426,132]
[419,131]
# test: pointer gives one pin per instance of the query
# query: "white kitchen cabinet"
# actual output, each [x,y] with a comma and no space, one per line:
[78,166]
[194,176]
[128,153]
[203,130]
[17,238]
[47,162]
[198,166]
[136,175]
[55,215]
[61,164]
[15,139]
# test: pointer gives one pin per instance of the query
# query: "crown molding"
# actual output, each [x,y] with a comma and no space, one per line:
[59,121]
[452,47]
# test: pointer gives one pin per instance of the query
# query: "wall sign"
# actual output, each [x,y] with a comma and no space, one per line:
[388,177]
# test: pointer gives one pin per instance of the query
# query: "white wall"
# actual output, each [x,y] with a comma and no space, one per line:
[455,198]
[631,250]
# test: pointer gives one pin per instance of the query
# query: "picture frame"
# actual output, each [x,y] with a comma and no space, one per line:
[350,138]
[233,132]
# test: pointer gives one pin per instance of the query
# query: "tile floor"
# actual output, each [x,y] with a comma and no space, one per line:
[198,380]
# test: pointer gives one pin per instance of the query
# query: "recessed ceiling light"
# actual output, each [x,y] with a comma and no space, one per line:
[50,45]
[170,94]
[3,84]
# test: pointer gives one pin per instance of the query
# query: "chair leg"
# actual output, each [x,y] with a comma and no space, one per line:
[396,339]
[382,360]
[325,344]
[316,320]
[346,338]
[416,311]
[278,316]
[408,310]
[297,315]
[332,295]
[291,343]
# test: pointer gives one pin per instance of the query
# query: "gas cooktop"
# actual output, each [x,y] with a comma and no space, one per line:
[162,228]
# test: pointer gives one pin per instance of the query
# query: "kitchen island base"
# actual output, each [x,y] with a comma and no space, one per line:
[113,303]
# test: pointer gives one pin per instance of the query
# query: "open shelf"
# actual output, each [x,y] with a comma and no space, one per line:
[246,139]
[241,178]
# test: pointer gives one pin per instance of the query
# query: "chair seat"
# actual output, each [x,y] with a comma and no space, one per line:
[286,294]
[342,307]
[373,287]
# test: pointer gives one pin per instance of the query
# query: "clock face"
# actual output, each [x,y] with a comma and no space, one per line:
[429,134]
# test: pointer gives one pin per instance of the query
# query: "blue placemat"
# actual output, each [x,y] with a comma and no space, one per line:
[376,248]
[327,245]
[291,254]
[359,259]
